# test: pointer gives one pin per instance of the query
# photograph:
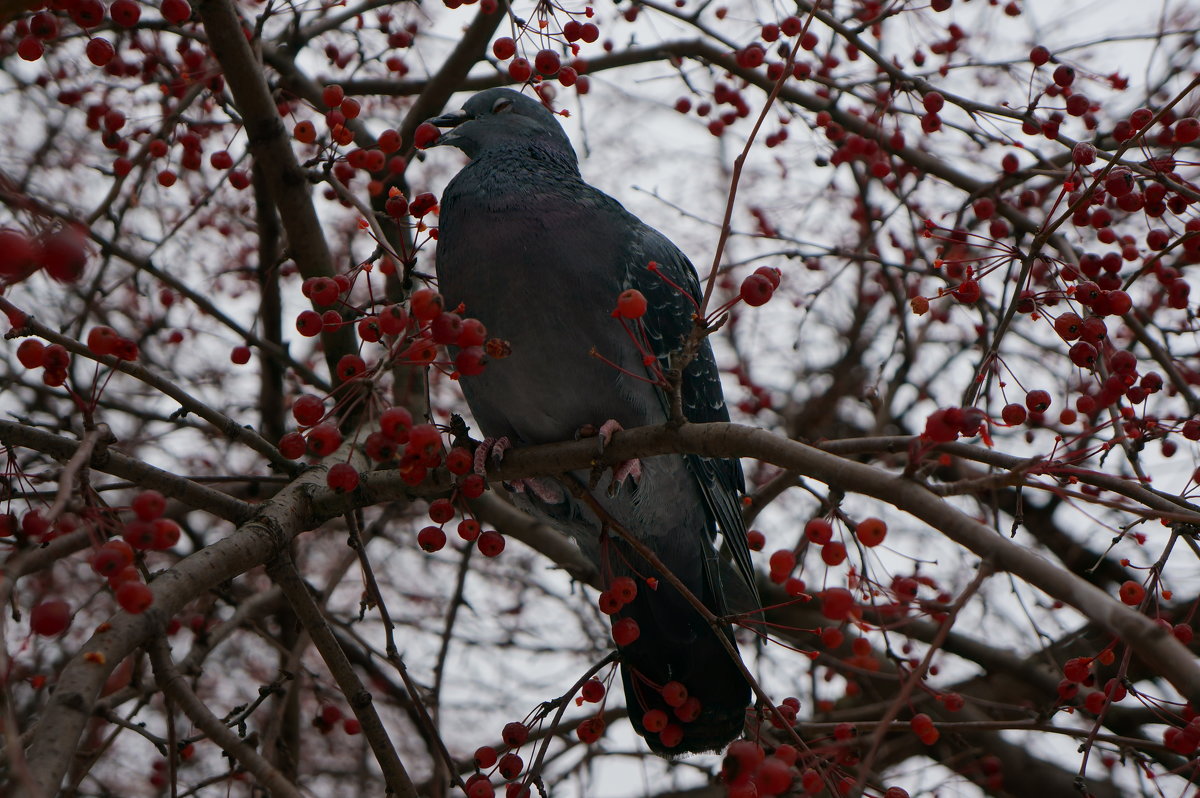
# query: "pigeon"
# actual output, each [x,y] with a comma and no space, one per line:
[540,257]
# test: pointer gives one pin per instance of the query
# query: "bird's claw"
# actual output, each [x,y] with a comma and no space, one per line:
[546,490]
[493,447]
[626,468]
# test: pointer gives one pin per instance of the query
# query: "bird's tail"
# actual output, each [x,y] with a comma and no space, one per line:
[676,646]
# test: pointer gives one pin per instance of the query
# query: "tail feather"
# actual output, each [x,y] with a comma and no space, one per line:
[676,644]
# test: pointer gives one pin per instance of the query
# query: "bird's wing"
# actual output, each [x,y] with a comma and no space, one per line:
[672,292]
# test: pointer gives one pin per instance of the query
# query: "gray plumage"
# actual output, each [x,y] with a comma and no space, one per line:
[540,257]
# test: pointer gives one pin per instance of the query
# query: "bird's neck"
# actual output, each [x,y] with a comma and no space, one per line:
[529,159]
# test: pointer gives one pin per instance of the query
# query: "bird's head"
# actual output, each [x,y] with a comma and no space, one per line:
[499,119]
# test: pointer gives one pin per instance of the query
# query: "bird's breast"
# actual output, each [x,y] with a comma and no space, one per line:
[543,276]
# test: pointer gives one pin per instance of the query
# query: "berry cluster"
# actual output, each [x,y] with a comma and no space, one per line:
[61,253]
[548,63]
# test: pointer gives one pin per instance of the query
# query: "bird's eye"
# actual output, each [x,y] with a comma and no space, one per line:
[503,104]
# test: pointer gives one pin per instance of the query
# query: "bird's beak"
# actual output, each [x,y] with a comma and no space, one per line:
[451,120]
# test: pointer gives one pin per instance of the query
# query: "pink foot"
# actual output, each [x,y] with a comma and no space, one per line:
[493,447]
[624,469]
[546,490]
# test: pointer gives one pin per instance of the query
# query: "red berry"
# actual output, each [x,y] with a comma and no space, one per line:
[349,367]
[140,534]
[782,563]
[608,603]
[1132,592]
[468,529]
[100,51]
[64,255]
[590,730]
[425,135]
[332,95]
[309,323]
[631,304]
[441,511]
[1064,75]
[473,333]
[1037,401]
[689,710]
[396,423]
[305,132]
[31,353]
[30,48]
[459,461]
[510,766]
[655,720]
[134,597]
[342,477]
[750,57]
[968,292]
[836,603]
[771,273]
[756,290]
[671,736]
[1013,414]
[1069,326]
[625,631]
[293,446]
[431,538]
[774,777]
[50,618]
[833,553]
[520,70]
[324,439]
[504,48]
[871,531]
[490,543]
[547,63]
[166,534]
[472,486]
[175,11]
[1119,182]
[1083,354]
[149,505]
[1187,130]
[446,328]
[592,691]
[426,304]
[111,557]
[308,410]
[18,258]
[485,757]
[819,531]
[471,361]
[103,340]
[674,694]
[514,734]
[624,589]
